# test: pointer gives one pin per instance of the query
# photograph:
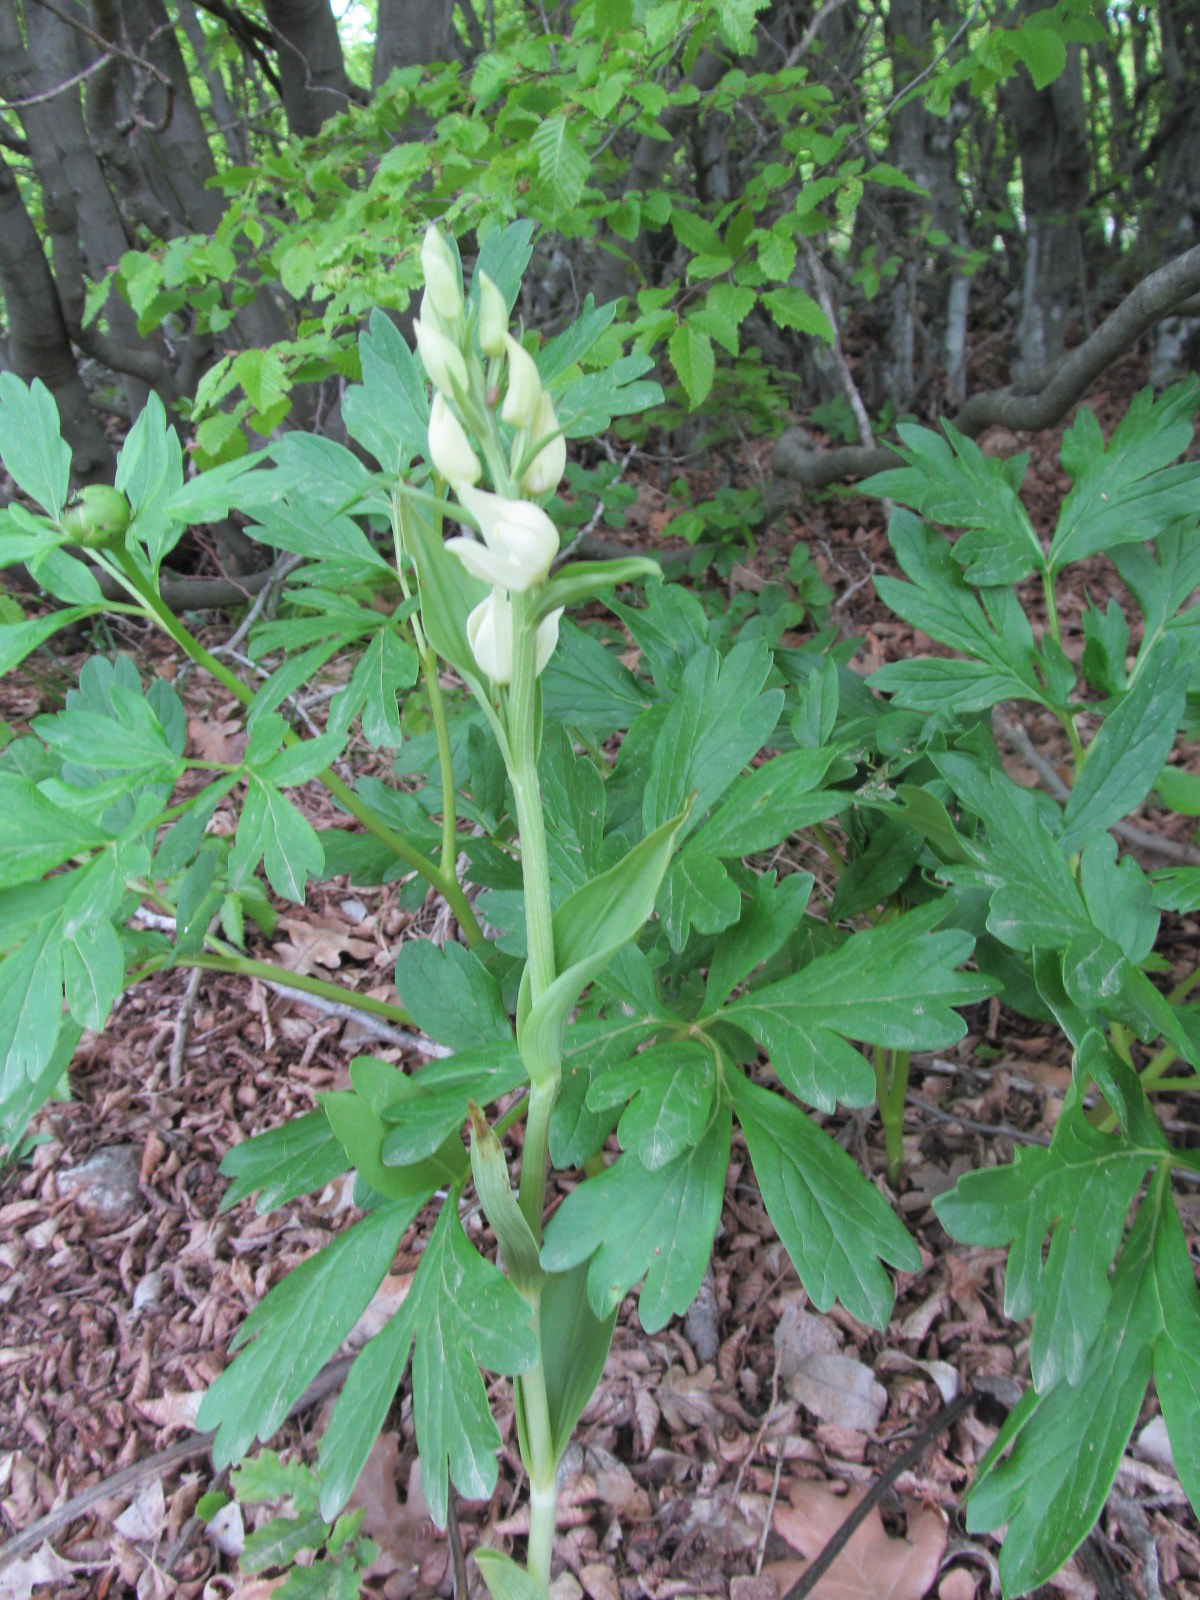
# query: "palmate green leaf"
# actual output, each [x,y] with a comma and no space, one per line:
[719,721]
[459,1311]
[588,404]
[1128,493]
[835,1225]
[126,739]
[988,625]
[19,639]
[872,878]
[32,448]
[503,255]
[951,481]
[278,1542]
[388,412]
[21,1097]
[1079,1191]
[271,830]
[434,1103]
[635,1224]
[366,1115]
[297,1158]
[1035,900]
[568,348]
[38,835]
[294,1330]
[584,685]
[563,164]
[1123,760]
[590,1050]
[573,800]
[697,893]
[768,920]
[1065,1445]
[1162,577]
[450,994]
[895,985]
[669,1089]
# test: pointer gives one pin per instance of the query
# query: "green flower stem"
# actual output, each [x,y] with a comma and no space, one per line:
[544,1075]
[446,884]
[892,1089]
[441,728]
[247,967]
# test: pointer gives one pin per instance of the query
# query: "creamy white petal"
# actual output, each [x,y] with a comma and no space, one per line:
[493,317]
[524,386]
[490,633]
[547,638]
[488,566]
[449,448]
[441,358]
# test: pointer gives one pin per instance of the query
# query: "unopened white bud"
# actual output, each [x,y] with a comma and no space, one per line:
[490,634]
[449,448]
[443,281]
[524,386]
[547,467]
[519,541]
[493,317]
[547,638]
[442,359]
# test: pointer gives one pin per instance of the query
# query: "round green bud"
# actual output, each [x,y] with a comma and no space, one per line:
[98,518]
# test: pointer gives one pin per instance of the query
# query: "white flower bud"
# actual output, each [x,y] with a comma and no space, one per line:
[449,448]
[524,386]
[441,358]
[490,633]
[519,541]
[547,639]
[493,317]
[547,467]
[443,282]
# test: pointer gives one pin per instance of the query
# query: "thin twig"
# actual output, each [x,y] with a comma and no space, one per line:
[938,1423]
[126,1483]
[183,1027]
[1001,1128]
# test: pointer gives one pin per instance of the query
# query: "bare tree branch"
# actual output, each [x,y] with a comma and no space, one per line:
[1148,302]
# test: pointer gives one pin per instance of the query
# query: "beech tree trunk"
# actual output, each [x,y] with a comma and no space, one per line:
[1050,126]
[38,343]
[312,69]
[410,33]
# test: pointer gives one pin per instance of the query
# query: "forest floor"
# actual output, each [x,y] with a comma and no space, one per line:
[716,1455]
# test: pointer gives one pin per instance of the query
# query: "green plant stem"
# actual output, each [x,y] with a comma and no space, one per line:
[247,967]
[892,1089]
[544,1075]
[837,860]
[441,728]
[446,884]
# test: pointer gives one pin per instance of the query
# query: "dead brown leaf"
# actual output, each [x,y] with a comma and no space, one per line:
[321,942]
[839,1389]
[873,1565]
[216,741]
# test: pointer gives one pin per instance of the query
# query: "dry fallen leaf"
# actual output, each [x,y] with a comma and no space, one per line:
[211,740]
[144,1519]
[599,1581]
[873,1565]
[19,1579]
[839,1389]
[320,942]
[958,1585]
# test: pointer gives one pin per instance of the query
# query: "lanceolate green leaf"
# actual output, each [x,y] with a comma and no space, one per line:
[38,835]
[459,1311]
[296,1328]
[1079,1192]
[1065,1445]
[1124,759]
[31,447]
[294,1159]
[833,1223]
